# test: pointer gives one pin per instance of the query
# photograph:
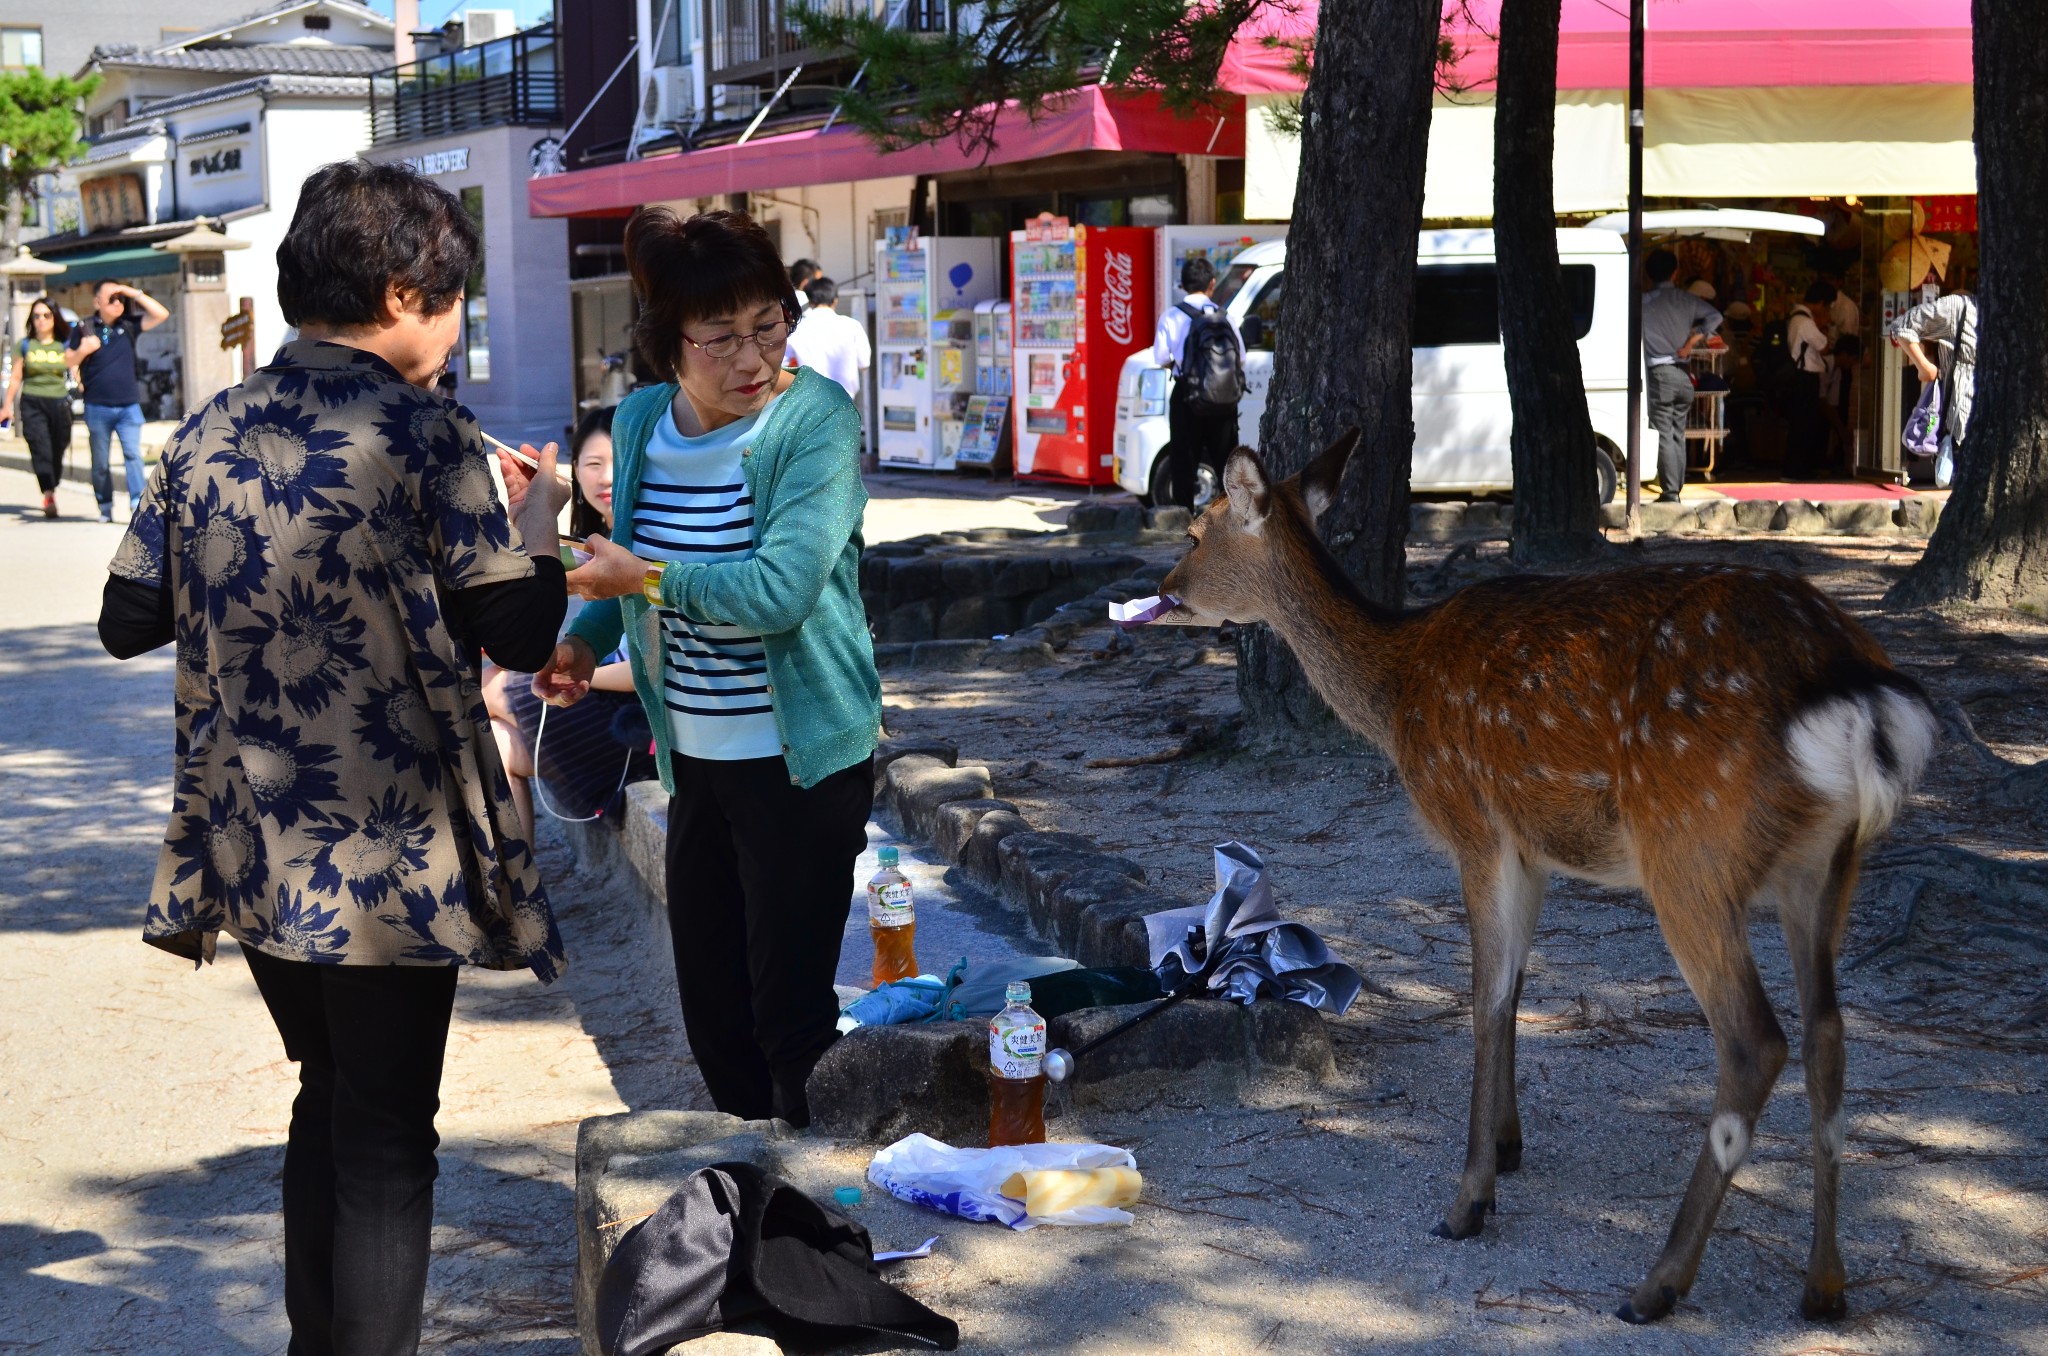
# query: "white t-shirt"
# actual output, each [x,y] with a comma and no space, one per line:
[1805,342]
[1170,340]
[694,505]
[835,344]
[1845,314]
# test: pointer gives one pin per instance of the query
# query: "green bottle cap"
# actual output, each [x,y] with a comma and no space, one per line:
[886,856]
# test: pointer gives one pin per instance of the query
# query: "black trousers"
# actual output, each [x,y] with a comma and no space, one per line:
[760,881]
[46,427]
[1197,434]
[359,1164]
[1806,433]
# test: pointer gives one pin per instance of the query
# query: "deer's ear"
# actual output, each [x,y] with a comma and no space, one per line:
[1246,487]
[1321,477]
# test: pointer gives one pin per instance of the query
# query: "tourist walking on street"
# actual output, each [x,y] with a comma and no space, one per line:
[1201,426]
[103,351]
[324,545]
[1674,323]
[1950,324]
[733,575]
[834,344]
[40,397]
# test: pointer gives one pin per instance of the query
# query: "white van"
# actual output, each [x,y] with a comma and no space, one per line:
[1462,415]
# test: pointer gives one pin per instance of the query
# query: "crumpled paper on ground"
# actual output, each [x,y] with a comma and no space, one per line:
[1074,1183]
[1264,955]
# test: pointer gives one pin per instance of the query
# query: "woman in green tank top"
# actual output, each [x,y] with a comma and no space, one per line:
[42,396]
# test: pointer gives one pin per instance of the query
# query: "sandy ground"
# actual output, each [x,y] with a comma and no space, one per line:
[1303,1225]
[142,1106]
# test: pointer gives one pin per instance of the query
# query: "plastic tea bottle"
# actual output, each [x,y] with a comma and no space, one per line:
[892,921]
[1016,1074]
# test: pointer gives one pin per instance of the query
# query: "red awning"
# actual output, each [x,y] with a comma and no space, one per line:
[1091,121]
[1691,44]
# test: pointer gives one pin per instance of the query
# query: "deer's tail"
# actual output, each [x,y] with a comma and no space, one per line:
[1862,750]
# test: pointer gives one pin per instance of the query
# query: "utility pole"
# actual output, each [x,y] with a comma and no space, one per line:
[1632,476]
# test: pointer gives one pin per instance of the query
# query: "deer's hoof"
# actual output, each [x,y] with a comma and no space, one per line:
[1648,1309]
[1474,1220]
[1507,1157]
[1823,1303]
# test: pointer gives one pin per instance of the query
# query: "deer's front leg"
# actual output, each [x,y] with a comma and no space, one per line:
[1502,895]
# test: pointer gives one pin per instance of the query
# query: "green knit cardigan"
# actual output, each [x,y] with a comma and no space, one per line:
[800,591]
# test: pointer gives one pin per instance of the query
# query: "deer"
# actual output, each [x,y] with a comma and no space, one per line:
[1713,735]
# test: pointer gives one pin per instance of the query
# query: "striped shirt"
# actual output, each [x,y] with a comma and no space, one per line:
[693,505]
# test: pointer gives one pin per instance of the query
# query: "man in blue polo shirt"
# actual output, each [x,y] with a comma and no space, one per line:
[103,351]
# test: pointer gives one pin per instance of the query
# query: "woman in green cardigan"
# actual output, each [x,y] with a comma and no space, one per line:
[733,575]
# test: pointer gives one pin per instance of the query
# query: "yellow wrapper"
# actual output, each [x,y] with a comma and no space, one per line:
[1048,1191]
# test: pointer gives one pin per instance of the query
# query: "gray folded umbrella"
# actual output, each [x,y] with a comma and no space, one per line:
[1258,953]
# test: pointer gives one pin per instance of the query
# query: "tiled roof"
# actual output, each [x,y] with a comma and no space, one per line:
[268,58]
[351,86]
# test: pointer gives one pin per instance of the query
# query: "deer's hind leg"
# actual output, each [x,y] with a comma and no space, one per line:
[1503,894]
[1813,908]
[1708,933]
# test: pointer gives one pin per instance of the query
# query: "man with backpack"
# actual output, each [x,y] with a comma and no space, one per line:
[1199,342]
[1674,323]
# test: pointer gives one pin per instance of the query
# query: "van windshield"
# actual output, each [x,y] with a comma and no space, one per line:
[1233,282]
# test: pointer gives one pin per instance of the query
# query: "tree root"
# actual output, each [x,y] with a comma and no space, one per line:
[2020,785]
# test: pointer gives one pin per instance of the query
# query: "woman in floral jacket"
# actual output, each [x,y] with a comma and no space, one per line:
[326,548]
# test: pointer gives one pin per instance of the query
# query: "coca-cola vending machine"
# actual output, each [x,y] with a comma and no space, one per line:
[1081,299]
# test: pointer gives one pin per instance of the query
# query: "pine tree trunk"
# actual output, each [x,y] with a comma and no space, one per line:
[1991,546]
[1556,498]
[1342,359]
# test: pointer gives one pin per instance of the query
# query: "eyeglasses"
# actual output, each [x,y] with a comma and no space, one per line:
[766,339]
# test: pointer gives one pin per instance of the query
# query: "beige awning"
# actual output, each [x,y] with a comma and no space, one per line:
[1819,141]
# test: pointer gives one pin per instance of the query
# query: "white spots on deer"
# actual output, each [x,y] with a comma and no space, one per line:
[1676,699]
[1712,801]
[1726,768]
[1643,729]
[1594,781]
[1486,715]
[1546,719]
[1729,1139]
[1711,623]
[1737,682]
[1679,743]
[1614,706]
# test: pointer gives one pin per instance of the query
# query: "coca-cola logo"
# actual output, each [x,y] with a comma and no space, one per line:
[1117,267]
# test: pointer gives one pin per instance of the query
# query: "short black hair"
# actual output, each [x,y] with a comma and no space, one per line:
[1821,292]
[60,328]
[1660,265]
[822,291]
[802,271]
[584,518]
[1197,274]
[104,283]
[692,268]
[361,229]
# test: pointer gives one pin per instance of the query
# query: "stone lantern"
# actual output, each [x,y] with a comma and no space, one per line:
[25,282]
[202,308]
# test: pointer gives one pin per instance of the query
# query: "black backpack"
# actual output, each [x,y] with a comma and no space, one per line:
[1211,361]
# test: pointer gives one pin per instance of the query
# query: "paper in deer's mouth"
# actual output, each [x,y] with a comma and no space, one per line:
[1142,611]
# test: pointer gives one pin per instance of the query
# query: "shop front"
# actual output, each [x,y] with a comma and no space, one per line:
[1855,114]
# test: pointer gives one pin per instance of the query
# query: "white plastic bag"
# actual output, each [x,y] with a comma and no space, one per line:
[965,1182]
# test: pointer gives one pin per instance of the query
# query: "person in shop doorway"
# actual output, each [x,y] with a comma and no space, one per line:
[103,352]
[1949,324]
[835,344]
[1675,322]
[1202,355]
[1806,343]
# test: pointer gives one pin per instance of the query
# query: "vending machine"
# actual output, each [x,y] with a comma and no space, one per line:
[926,290]
[1175,245]
[986,436]
[1082,301]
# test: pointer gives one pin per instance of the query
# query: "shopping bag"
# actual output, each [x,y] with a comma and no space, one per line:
[970,1183]
[1922,434]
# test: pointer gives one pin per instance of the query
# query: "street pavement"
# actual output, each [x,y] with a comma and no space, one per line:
[143,1106]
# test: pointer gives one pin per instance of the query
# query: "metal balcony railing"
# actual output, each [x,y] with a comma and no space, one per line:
[756,39]
[509,82]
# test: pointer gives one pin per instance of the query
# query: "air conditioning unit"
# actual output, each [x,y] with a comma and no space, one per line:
[737,103]
[483,25]
[668,100]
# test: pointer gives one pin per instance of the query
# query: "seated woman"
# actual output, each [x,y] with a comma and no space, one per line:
[595,747]
[324,545]
[732,575]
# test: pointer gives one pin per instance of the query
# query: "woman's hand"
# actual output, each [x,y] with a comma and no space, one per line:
[611,572]
[520,479]
[565,679]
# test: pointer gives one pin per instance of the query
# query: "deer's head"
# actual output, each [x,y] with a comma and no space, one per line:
[1246,540]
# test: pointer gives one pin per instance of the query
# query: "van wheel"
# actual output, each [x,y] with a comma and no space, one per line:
[1207,482]
[1605,462]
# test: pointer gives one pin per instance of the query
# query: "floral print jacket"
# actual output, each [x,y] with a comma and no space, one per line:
[337,796]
